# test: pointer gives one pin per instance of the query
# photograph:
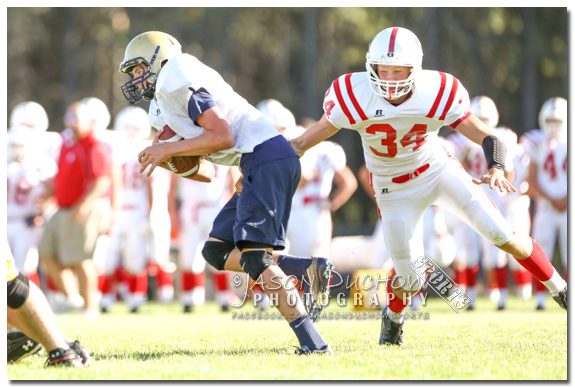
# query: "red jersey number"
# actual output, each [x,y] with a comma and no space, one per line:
[415,136]
[549,166]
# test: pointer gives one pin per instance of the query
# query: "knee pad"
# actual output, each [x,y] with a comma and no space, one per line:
[18,291]
[216,253]
[254,263]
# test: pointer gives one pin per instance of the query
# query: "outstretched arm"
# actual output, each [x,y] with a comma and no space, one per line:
[313,136]
[479,133]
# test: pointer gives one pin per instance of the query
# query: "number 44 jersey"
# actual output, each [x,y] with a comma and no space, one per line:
[398,139]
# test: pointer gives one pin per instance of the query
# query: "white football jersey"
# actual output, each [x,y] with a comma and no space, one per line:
[25,184]
[134,185]
[550,156]
[320,164]
[398,139]
[179,79]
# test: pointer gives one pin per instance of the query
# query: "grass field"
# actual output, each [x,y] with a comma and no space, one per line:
[161,343]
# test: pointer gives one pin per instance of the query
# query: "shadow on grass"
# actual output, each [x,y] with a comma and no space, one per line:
[144,356]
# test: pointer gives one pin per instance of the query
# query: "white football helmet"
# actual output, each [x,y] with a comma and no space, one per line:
[19,140]
[280,116]
[553,118]
[394,46]
[484,108]
[31,114]
[132,123]
[99,112]
[151,48]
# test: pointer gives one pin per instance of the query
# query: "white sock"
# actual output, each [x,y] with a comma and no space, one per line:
[395,317]
[541,296]
[503,294]
[555,284]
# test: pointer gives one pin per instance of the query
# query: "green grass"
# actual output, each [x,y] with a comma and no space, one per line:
[161,343]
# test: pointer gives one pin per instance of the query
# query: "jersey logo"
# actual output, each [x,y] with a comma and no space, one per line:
[385,191]
[379,113]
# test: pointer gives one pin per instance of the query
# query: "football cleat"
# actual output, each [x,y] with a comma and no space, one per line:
[82,352]
[305,351]
[561,298]
[318,273]
[21,346]
[391,332]
[61,357]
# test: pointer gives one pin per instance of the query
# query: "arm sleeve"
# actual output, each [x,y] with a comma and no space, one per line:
[199,101]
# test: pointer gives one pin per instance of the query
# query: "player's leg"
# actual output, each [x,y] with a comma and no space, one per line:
[401,209]
[268,189]
[495,268]
[134,257]
[519,217]
[563,239]
[476,208]
[160,254]
[28,310]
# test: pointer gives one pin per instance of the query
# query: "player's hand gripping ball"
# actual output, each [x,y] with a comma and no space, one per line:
[184,166]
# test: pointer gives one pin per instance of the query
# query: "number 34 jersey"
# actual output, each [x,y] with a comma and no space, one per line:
[398,139]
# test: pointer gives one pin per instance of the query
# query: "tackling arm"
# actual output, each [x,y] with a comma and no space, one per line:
[313,136]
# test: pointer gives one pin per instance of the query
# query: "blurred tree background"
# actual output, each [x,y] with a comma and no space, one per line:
[516,56]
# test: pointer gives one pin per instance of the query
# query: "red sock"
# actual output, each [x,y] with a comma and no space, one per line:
[501,277]
[221,281]
[33,277]
[538,263]
[192,280]
[138,283]
[164,278]
[459,277]
[50,284]
[522,277]
[106,286]
[395,303]
[540,287]
[471,275]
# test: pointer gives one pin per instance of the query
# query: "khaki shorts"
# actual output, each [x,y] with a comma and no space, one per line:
[70,242]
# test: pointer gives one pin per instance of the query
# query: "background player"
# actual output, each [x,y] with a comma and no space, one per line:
[547,149]
[30,176]
[130,229]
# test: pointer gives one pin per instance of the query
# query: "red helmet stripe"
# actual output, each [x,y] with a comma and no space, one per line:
[439,95]
[392,39]
[352,97]
[342,102]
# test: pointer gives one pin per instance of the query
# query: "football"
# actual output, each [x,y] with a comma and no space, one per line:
[184,166]
[169,135]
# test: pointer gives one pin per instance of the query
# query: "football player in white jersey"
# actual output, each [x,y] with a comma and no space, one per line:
[128,238]
[222,127]
[398,108]
[30,176]
[33,115]
[547,177]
